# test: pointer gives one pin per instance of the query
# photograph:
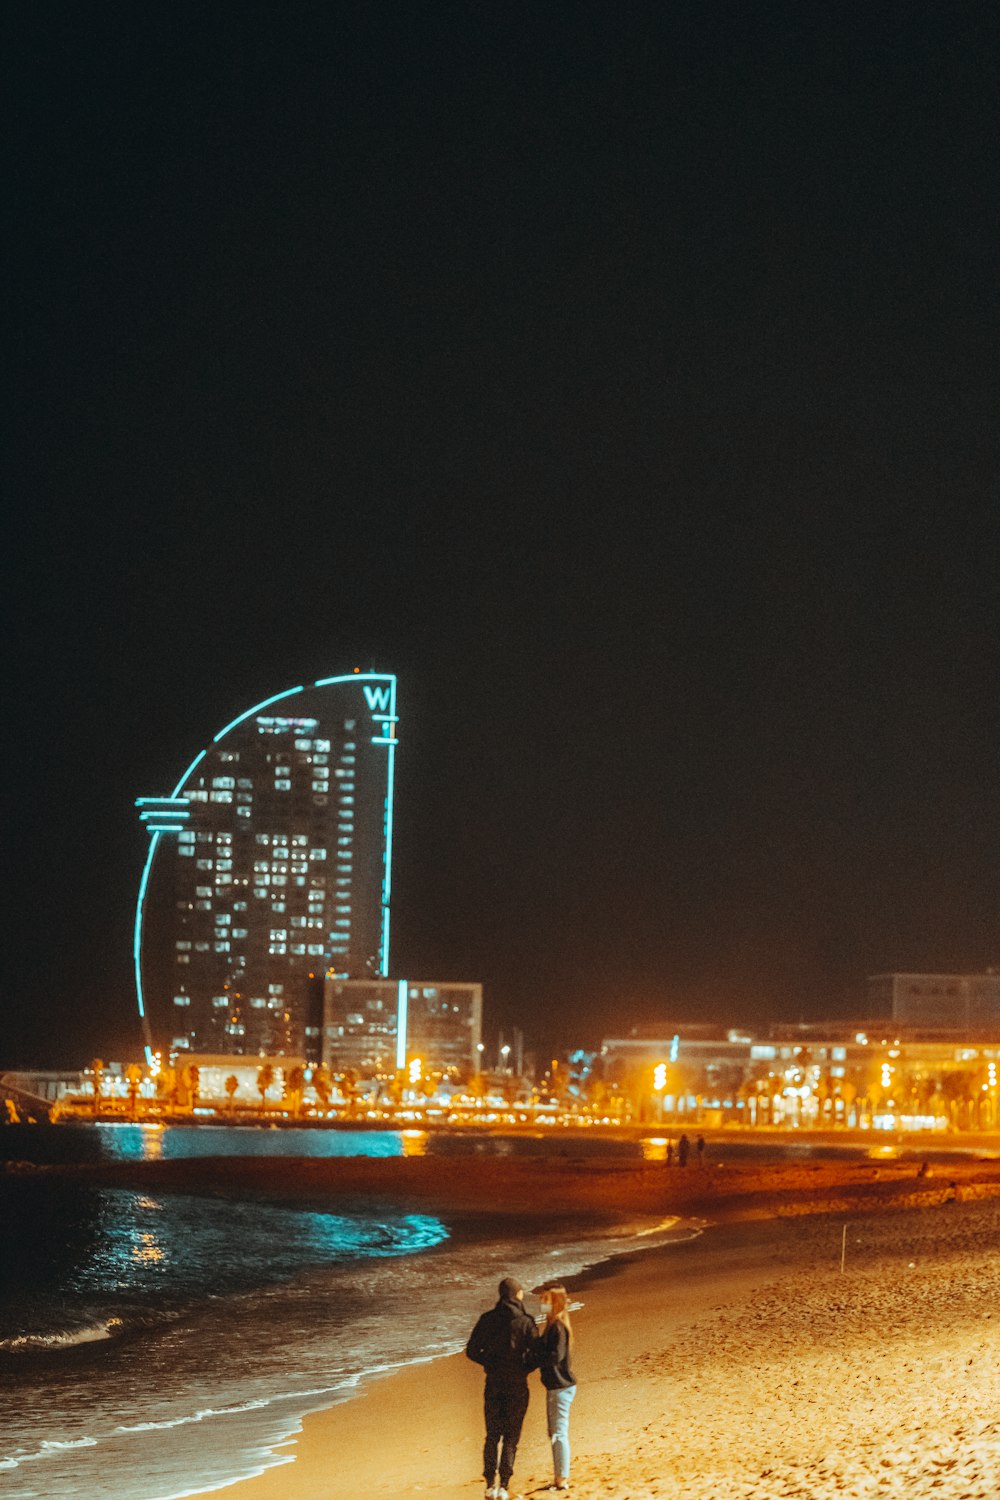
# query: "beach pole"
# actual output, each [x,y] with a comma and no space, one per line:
[843,1248]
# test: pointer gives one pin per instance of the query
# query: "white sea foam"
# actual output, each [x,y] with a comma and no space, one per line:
[254,1359]
[63,1338]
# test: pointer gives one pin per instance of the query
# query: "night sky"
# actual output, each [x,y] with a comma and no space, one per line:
[623,376]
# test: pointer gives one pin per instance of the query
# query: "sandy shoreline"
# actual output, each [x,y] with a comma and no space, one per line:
[740,1364]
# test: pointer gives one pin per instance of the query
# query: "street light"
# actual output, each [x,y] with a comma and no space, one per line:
[504,1053]
[659,1084]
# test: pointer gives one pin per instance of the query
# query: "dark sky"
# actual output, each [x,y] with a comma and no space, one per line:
[623,376]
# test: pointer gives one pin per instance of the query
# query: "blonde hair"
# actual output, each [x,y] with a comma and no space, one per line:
[558,1299]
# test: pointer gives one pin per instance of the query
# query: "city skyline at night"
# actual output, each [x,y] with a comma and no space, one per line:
[625,379]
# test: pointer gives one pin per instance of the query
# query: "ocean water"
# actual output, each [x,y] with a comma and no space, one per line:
[151,1345]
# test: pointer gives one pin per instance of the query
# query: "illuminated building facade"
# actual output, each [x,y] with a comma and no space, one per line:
[966,1002]
[375,1027]
[269,865]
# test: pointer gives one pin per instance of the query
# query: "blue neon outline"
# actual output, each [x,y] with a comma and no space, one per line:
[389,677]
[402,1017]
[137,948]
[390,788]
[255,710]
[196,762]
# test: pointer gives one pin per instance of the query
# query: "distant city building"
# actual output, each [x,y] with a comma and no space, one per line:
[269,865]
[716,1054]
[813,1073]
[377,1026]
[215,1070]
[48,1084]
[962,1002]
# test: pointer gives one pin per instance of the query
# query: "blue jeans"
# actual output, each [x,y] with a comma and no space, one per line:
[557,1405]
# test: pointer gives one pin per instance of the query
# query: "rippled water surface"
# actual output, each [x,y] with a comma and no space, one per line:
[153,1343]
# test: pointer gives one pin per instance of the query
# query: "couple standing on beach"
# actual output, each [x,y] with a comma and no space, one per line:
[507,1344]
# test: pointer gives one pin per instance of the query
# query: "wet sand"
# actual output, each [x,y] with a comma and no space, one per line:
[741,1364]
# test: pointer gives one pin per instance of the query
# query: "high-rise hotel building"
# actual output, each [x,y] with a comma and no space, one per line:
[269,868]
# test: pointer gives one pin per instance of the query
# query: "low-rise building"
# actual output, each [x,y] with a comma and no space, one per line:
[377,1026]
[959,1002]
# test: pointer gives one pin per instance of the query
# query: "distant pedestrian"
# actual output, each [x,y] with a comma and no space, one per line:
[504,1342]
[670,1153]
[699,1146]
[683,1150]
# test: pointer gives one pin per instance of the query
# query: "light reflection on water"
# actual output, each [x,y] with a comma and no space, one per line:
[158,1314]
[119,1142]
[173,1337]
[86,1142]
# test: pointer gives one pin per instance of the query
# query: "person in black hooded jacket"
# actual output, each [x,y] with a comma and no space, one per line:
[504,1341]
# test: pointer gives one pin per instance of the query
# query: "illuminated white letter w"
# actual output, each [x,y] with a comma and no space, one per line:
[378,698]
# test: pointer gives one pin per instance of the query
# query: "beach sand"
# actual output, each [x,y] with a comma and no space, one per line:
[741,1365]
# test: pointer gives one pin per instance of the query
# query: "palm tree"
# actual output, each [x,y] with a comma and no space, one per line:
[955,1088]
[231,1085]
[265,1078]
[349,1089]
[133,1074]
[295,1082]
[848,1092]
[322,1085]
[97,1068]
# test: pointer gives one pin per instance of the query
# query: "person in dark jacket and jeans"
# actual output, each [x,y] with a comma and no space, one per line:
[504,1342]
[555,1347]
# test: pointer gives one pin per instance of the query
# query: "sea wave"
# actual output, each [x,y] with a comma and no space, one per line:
[63,1338]
[255,1360]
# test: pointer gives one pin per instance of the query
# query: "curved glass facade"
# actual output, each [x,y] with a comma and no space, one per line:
[269,868]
